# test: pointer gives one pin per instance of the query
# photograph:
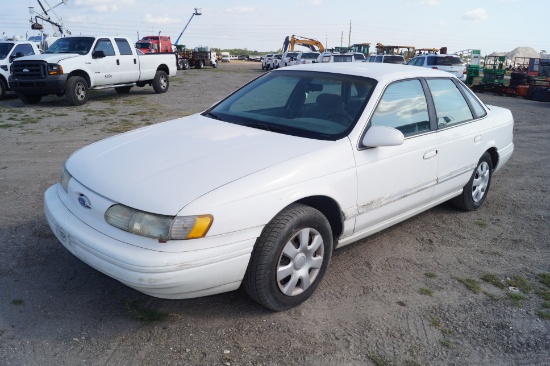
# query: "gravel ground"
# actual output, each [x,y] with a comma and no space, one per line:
[396,298]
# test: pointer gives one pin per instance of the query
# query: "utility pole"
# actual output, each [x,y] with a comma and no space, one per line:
[342,39]
[349,37]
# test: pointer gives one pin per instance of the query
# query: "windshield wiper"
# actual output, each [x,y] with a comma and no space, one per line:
[270,128]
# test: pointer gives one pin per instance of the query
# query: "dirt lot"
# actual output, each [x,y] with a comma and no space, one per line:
[396,298]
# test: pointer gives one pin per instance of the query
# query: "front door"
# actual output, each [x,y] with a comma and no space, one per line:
[105,70]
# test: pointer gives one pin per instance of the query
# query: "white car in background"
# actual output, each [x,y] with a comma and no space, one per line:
[259,189]
[448,63]
[337,57]
[266,60]
[290,58]
[308,58]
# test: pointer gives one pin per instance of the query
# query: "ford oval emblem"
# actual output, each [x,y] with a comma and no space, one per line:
[84,201]
[26,70]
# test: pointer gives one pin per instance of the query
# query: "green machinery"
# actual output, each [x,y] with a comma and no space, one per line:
[472,70]
[494,70]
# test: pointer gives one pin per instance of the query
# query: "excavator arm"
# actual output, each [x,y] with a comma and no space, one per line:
[312,44]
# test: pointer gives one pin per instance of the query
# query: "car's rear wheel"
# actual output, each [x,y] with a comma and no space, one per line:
[160,82]
[199,64]
[474,193]
[290,258]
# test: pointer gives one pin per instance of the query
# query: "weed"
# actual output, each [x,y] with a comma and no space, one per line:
[411,363]
[493,280]
[447,331]
[17,302]
[545,279]
[7,125]
[521,283]
[491,296]
[137,312]
[481,223]
[425,291]
[470,284]
[446,343]
[435,322]
[380,360]
[516,298]
[546,304]
[543,314]
[544,293]
[430,275]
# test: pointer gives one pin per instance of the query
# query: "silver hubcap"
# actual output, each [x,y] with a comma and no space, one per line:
[80,91]
[481,181]
[163,82]
[300,262]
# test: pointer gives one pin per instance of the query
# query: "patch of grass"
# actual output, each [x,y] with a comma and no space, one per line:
[516,298]
[545,279]
[17,302]
[412,363]
[470,284]
[446,343]
[430,275]
[521,283]
[546,304]
[100,112]
[544,293]
[425,291]
[481,223]
[435,322]
[142,314]
[447,331]
[491,296]
[493,280]
[379,360]
[543,314]
[28,119]
[123,125]
[6,125]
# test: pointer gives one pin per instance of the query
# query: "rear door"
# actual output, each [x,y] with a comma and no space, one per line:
[127,61]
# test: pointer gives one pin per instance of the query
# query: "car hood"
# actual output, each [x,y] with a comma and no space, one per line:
[162,168]
[49,58]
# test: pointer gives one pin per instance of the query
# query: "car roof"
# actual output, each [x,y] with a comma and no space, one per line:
[382,72]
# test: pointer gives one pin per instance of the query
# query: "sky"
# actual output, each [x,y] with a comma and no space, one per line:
[488,25]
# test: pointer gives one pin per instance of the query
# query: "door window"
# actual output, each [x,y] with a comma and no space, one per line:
[450,106]
[106,46]
[25,49]
[123,46]
[403,106]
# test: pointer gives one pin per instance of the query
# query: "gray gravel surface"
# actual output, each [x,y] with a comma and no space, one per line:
[395,298]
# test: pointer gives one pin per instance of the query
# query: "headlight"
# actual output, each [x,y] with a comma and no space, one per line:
[55,69]
[156,226]
[65,178]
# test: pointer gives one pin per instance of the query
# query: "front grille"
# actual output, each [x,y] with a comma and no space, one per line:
[28,70]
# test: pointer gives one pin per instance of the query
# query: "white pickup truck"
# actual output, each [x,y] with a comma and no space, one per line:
[73,65]
[9,51]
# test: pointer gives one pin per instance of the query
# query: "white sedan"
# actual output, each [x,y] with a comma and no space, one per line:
[259,189]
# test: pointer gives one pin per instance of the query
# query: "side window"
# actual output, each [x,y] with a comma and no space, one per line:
[123,46]
[25,49]
[419,61]
[378,59]
[478,108]
[431,60]
[403,106]
[450,106]
[106,46]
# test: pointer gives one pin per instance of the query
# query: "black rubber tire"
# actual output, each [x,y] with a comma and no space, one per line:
[123,89]
[185,64]
[161,83]
[3,89]
[30,98]
[180,64]
[214,65]
[76,92]
[199,64]
[260,280]
[466,200]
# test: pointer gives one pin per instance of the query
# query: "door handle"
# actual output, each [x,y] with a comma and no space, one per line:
[134,61]
[430,154]
[118,62]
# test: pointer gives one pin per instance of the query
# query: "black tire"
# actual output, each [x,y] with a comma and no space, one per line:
[76,92]
[123,89]
[214,65]
[3,89]
[297,244]
[474,193]
[185,64]
[161,82]
[30,98]
[199,64]
[518,75]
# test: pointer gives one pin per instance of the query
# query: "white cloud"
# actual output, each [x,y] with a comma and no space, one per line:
[476,14]
[430,2]
[164,19]
[241,9]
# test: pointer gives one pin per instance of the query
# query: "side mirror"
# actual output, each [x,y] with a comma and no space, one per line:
[17,55]
[98,54]
[377,136]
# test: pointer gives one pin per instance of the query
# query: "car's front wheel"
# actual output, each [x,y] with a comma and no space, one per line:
[76,91]
[290,258]
[474,193]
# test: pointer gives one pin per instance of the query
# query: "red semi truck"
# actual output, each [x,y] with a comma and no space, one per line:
[155,44]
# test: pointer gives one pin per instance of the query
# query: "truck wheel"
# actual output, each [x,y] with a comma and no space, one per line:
[76,91]
[185,64]
[180,64]
[160,82]
[214,65]
[199,64]
[123,89]
[30,98]
[2,89]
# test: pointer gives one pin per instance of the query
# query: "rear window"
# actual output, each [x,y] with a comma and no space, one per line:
[292,54]
[310,56]
[394,60]
[343,58]
[444,61]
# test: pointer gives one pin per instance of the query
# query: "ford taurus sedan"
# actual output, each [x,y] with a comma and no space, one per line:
[261,188]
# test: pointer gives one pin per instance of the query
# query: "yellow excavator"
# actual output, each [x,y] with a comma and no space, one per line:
[313,44]
[407,52]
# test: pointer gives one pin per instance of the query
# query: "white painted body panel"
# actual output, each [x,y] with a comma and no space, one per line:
[243,177]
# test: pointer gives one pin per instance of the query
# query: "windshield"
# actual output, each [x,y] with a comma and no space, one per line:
[323,106]
[5,48]
[142,45]
[80,45]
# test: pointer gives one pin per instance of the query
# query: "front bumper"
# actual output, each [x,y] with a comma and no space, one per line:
[54,84]
[161,274]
